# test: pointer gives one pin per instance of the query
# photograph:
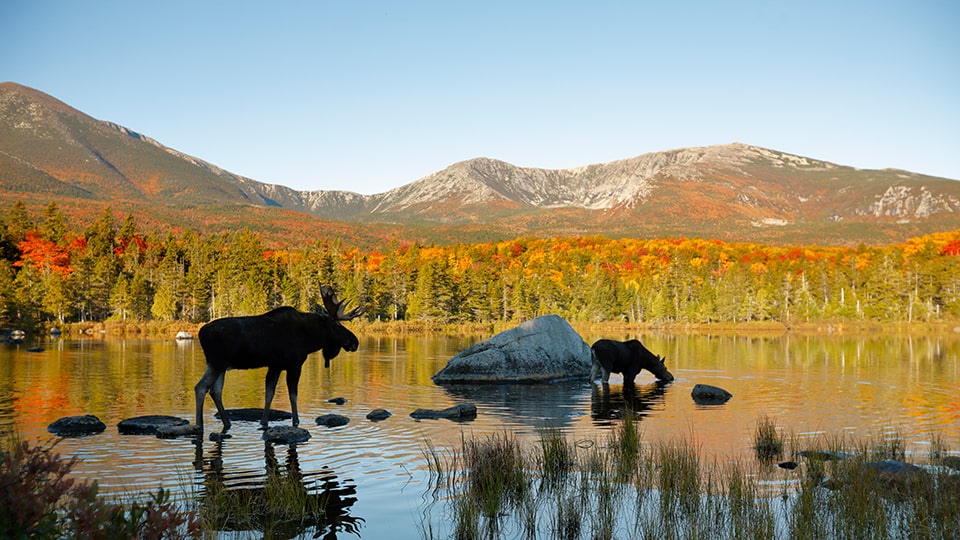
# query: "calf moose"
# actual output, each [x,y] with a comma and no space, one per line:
[277,340]
[628,358]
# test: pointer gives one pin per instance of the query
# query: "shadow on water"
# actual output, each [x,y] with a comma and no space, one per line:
[608,403]
[280,502]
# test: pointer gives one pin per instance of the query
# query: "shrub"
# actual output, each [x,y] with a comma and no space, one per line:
[39,500]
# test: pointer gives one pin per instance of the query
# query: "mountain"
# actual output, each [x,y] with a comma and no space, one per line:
[50,151]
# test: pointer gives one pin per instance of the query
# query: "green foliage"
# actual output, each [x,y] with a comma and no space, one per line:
[104,272]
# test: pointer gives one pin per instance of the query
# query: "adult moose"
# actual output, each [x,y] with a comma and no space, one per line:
[628,358]
[277,340]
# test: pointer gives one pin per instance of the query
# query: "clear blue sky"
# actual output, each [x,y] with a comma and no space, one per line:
[368,96]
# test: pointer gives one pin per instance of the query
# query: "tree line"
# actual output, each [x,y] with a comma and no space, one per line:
[52,272]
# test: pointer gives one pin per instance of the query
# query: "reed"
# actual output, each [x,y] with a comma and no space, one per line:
[767,439]
[622,487]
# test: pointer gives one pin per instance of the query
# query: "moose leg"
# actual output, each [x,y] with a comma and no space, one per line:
[200,391]
[273,375]
[293,381]
[217,394]
[595,369]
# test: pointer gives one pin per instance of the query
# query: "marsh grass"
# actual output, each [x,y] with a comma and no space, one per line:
[624,487]
[767,439]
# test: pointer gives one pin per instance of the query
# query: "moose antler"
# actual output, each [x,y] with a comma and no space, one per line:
[335,308]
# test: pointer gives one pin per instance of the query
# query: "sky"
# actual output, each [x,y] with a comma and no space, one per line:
[369,96]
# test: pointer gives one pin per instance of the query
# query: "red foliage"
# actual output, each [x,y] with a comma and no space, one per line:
[44,254]
[951,248]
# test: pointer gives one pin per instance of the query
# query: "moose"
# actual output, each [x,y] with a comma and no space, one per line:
[628,358]
[278,340]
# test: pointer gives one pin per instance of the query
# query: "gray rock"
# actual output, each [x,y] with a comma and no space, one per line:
[77,426]
[464,411]
[173,432]
[286,434]
[704,394]
[254,415]
[544,349]
[378,414]
[332,420]
[148,425]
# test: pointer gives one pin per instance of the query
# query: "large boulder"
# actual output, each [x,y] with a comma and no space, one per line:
[544,349]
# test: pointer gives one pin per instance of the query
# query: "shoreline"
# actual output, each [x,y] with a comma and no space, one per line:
[153,329]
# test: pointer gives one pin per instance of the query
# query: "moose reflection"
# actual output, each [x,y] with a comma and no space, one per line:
[280,502]
[279,340]
[606,404]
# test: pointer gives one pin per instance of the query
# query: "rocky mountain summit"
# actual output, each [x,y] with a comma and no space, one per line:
[49,150]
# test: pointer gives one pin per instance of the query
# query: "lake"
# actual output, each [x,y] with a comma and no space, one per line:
[868,387]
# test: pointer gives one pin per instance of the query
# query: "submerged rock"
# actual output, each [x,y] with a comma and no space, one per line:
[173,432]
[337,400]
[286,434]
[77,426]
[332,420]
[704,394]
[952,462]
[464,411]
[148,425]
[544,349]
[254,415]
[378,414]
[825,455]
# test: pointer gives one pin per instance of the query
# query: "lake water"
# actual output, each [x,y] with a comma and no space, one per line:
[814,387]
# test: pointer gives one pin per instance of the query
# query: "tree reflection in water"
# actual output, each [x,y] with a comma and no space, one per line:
[607,404]
[282,502]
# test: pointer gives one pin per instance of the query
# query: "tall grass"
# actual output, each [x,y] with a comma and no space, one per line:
[624,487]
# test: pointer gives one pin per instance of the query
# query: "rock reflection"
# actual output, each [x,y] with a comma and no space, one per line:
[532,404]
[280,502]
[607,403]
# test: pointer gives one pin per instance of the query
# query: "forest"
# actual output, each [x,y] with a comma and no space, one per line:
[53,272]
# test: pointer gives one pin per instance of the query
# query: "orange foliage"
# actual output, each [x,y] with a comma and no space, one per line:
[44,254]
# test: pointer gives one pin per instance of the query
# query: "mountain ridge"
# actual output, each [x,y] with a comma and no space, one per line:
[730,191]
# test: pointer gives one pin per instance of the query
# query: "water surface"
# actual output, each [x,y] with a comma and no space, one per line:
[861,388]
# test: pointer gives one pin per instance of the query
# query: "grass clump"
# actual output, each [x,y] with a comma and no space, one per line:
[767,439]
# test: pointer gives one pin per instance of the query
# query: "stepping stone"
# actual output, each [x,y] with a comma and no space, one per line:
[173,432]
[332,420]
[254,415]
[77,426]
[148,425]
[377,415]
[464,411]
[286,434]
